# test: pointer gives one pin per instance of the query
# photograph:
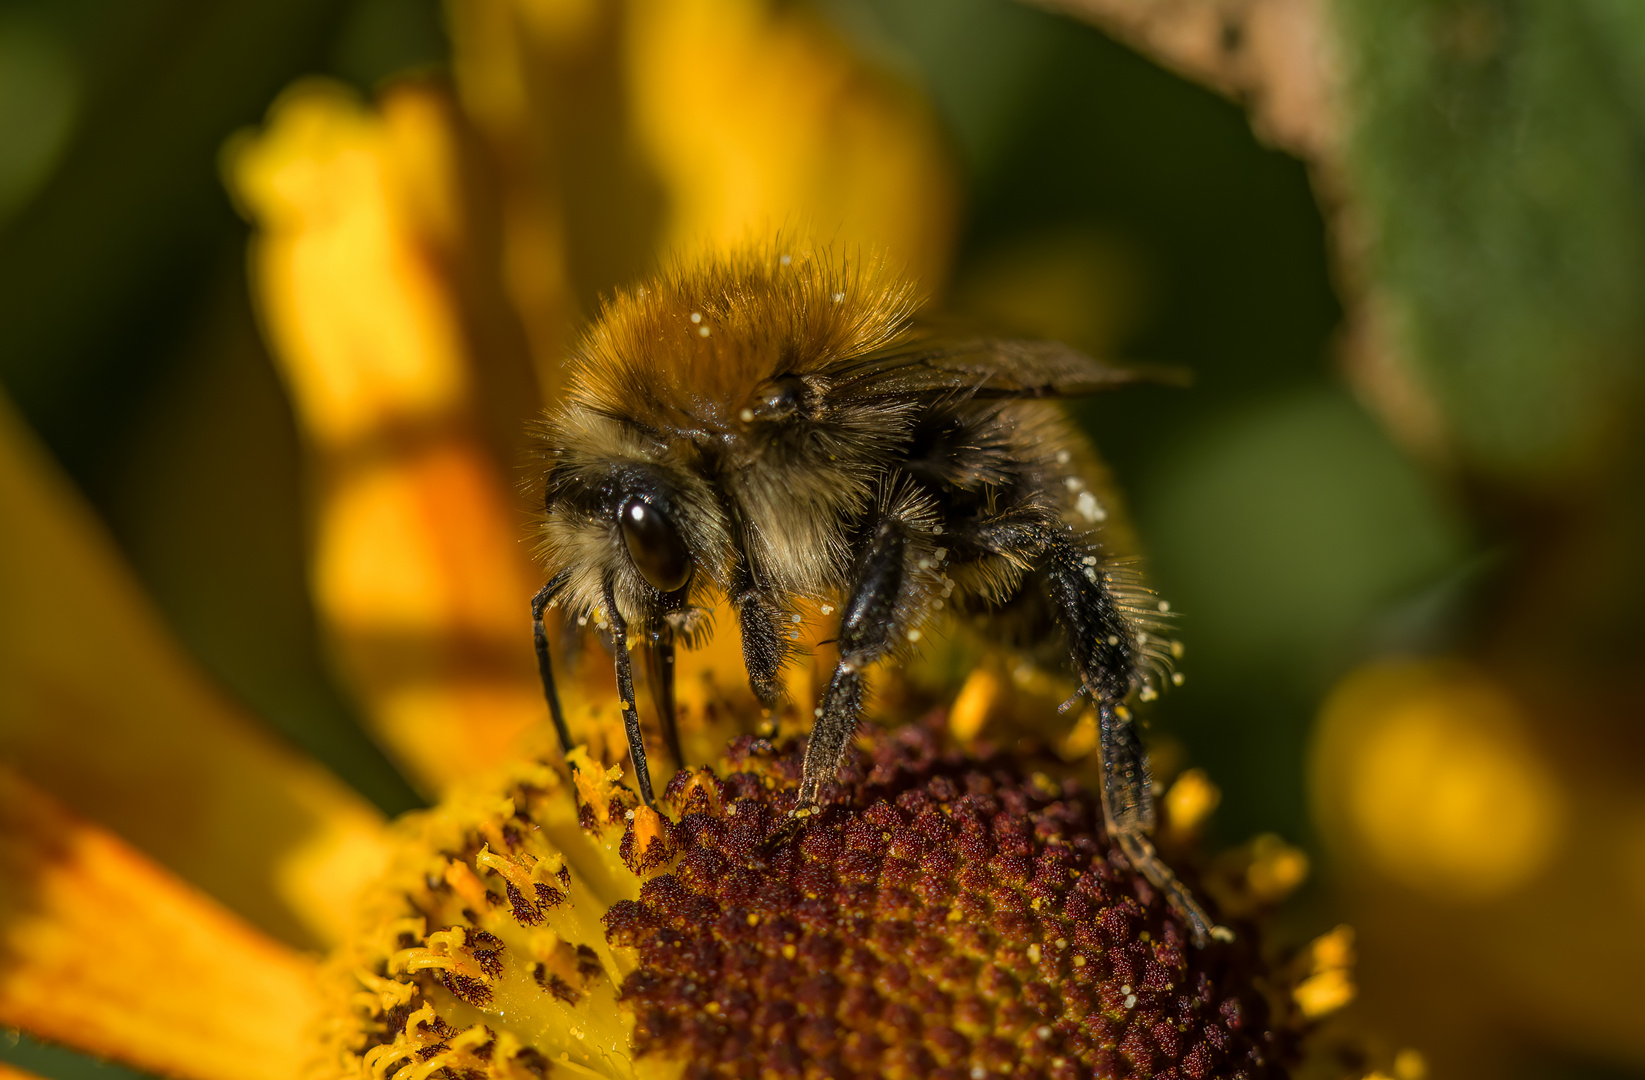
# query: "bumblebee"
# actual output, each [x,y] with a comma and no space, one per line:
[774,426]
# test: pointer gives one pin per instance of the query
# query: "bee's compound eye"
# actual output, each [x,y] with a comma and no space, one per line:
[654,545]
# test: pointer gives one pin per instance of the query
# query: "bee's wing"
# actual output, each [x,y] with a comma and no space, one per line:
[987,368]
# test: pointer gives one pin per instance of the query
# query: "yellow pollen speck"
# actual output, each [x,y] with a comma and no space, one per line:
[1079,961]
[1034,954]
[1409,1064]
[1276,869]
[1190,800]
[1322,994]
[1330,984]
[789,952]
[1082,737]
[971,707]
[753,920]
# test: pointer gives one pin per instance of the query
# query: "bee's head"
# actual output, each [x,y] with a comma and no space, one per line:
[633,515]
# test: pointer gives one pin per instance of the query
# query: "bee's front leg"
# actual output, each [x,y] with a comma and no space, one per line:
[873,616]
[545,662]
[765,648]
[625,692]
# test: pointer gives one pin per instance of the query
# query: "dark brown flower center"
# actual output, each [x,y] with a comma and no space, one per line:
[944,917]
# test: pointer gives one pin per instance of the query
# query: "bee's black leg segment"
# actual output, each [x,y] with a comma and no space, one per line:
[659,674]
[545,663]
[625,691]
[764,647]
[837,722]
[866,626]
[1127,788]
[1128,804]
[1104,657]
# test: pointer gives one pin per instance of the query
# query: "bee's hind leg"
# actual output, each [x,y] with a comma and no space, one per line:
[1128,806]
[1103,656]
[625,691]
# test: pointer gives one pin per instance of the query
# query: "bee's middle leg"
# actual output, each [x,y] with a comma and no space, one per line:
[868,625]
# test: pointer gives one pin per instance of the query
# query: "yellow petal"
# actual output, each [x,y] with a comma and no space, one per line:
[108,953]
[757,116]
[100,707]
[623,132]
[354,207]
[418,568]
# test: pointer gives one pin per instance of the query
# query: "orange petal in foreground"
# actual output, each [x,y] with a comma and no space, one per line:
[104,951]
[9,1073]
[100,707]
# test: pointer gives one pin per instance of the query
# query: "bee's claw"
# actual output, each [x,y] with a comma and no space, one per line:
[791,825]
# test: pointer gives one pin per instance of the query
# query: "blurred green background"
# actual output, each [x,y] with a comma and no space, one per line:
[1110,204]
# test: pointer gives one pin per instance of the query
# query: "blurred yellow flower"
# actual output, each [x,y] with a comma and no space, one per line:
[1430,768]
[1469,831]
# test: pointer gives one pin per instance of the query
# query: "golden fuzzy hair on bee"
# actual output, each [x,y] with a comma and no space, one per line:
[670,377]
[684,349]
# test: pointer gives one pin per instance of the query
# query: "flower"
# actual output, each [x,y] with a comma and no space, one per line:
[167,871]
[950,914]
